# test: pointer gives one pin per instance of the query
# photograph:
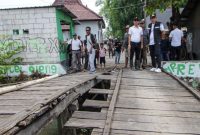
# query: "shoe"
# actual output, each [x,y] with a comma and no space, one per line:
[153,69]
[158,70]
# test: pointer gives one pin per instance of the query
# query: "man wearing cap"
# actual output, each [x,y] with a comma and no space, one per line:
[125,46]
[145,44]
[90,42]
[76,53]
[135,43]
[156,30]
[175,37]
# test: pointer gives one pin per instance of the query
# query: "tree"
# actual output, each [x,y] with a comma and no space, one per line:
[120,13]
[162,5]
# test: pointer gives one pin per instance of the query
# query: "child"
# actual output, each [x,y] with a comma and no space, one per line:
[102,55]
[118,46]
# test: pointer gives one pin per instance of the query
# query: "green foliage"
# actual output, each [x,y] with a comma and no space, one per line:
[8,52]
[162,5]
[120,13]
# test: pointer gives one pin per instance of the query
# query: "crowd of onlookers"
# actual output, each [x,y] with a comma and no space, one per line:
[138,41]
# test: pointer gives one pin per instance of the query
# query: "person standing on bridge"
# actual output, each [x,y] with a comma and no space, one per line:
[156,30]
[90,42]
[125,46]
[175,37]
[144,50]
[135,43]
[76,53]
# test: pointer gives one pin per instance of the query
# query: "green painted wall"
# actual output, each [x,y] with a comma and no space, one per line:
[62,16]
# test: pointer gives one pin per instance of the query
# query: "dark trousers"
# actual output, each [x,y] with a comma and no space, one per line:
[155,53]
[175,53]
[165,56]
[86,61]
[135,49]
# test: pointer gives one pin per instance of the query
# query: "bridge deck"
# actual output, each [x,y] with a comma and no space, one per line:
[147,104]
[33,101]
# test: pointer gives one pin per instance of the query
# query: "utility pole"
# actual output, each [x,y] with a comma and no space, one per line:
[145,14]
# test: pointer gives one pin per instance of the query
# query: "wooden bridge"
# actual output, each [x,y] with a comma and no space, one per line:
[142,103]
[136,103]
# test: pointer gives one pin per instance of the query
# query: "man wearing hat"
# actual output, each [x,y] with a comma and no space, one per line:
[175,37]
[135,43]
[76,53]
[156,30]
[125,46]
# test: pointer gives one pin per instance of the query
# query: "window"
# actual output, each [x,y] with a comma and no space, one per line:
[25,31]
[15,32]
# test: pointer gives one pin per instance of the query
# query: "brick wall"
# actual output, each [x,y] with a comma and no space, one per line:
[40,45]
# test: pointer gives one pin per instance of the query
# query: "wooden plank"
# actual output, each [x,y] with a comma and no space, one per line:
[111,108]
[16,102]
[158,113]
[96,104]
[150,88]
[84,123]
[155,119]
[101,91]
[12,109]
[128,132]
[165,100]
[159,128]
[152,96]
[89,115]
[156,93]
[159,106]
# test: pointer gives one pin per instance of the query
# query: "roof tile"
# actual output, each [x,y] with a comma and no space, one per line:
[77,8]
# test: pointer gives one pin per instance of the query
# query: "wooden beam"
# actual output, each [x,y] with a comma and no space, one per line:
[111,108]
[101,91]
[96,104]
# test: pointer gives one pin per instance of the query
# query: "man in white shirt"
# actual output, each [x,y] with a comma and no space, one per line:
[135,43]
[76,53]
[156,30]
[175,37]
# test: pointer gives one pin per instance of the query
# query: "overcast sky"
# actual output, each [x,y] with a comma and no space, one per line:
[29,3]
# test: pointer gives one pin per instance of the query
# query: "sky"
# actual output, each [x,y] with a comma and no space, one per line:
[28,3]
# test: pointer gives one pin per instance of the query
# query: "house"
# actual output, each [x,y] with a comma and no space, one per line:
[190,18]
[39,31]
[85,17]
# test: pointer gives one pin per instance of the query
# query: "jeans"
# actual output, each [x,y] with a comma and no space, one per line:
[117,57]
[135,49]
[155,52]
[91,61]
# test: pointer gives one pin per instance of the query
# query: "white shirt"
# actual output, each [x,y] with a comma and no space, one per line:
[89,42]
[176,36]
[76,44]
[136,33]
[152,42]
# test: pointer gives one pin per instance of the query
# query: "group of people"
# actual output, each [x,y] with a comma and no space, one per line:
[138,40]
[85,53]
